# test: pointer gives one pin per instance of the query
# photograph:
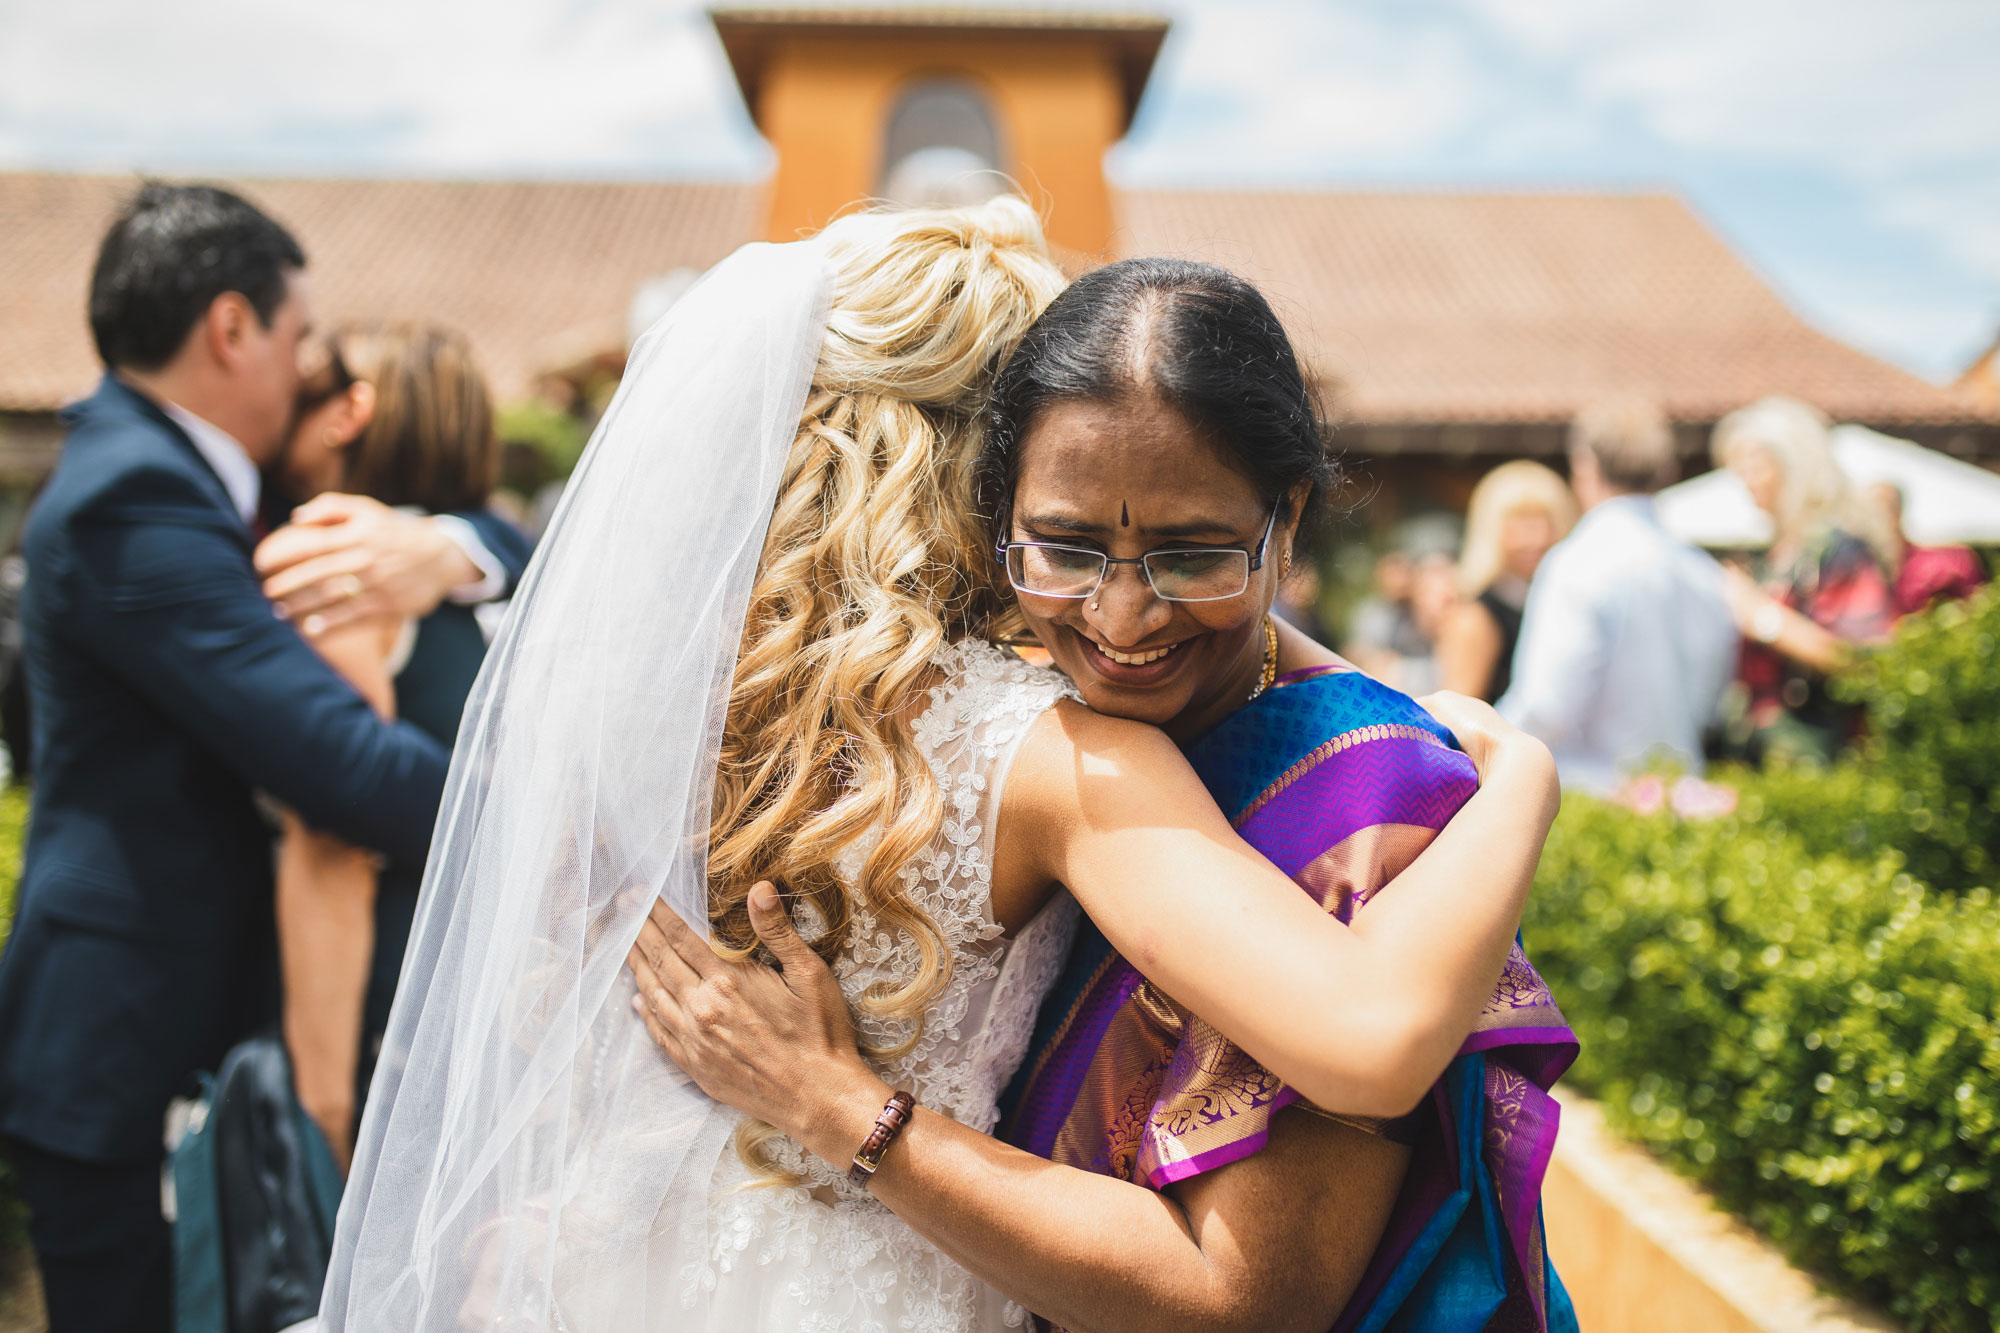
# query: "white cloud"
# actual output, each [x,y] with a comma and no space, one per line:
[1897,104]
[1902,100]
[1287,88]
[510,86]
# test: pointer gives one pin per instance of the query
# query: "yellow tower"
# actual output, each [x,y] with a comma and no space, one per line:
[924,105]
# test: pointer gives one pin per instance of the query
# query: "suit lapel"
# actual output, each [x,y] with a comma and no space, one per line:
[114,398]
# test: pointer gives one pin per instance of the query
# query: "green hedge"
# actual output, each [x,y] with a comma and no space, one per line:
[1933,704]
[1799,1003]
[13,828]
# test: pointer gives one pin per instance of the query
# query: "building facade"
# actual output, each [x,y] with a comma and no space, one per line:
[1447,331]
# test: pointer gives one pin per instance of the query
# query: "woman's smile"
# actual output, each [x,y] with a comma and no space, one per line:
[1137,668]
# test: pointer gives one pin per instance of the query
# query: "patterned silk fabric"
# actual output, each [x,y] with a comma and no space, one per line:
[1340,782]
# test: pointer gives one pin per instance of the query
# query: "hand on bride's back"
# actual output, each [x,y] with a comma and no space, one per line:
[771,1042]
[1479,729]
[1499,750]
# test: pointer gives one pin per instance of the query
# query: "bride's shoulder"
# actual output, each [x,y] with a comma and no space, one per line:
[985,697]
[980,684]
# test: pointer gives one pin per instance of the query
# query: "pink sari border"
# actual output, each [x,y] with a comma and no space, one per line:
[1187,1168]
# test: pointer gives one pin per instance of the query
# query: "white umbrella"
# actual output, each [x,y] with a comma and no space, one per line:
[1945,502]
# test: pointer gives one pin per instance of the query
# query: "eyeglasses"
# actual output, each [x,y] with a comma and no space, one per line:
[1197,574]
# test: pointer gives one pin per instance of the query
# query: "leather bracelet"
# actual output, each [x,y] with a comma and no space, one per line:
[888,1125]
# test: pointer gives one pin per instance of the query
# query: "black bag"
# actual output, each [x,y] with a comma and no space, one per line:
[255,1190]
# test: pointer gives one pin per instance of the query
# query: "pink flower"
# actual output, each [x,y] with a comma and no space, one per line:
[1693,798]
[1645,794]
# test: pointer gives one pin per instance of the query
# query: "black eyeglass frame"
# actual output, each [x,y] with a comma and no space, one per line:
[1256,559]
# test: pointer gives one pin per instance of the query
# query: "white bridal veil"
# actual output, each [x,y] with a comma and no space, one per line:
[528,1157]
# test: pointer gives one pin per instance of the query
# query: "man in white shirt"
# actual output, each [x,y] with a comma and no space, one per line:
[1627,642]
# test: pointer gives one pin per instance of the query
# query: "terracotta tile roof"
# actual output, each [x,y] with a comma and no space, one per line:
[1460,307]
[1981,380]
[1446,307]
[530,272]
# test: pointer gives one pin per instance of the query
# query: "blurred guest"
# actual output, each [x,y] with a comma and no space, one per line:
[1626,641]
[1391,635]
[1381,628]
[19,754]
[164,693]
[1820,589]
[400,413]
[1518,511]
[1297,603]
[1433,599]
[1925,575]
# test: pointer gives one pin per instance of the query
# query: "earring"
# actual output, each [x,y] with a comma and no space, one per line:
[1285,569]
[1093,606]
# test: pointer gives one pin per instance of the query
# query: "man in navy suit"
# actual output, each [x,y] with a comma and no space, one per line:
[165,693]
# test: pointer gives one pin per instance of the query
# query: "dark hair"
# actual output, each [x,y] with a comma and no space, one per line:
[168,255]
[1201,338]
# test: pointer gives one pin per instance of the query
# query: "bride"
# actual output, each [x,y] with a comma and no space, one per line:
[755,645]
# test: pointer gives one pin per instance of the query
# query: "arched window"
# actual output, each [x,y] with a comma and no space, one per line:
[942,146]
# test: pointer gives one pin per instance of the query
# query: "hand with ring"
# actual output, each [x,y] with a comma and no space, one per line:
[345,558]
[775,1043]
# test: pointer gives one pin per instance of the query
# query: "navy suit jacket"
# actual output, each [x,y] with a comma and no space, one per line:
[164,693]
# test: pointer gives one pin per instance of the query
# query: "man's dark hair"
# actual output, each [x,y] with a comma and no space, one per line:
[169,254]
[1199,337]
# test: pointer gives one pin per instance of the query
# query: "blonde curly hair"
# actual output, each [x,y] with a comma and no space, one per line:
[874,560]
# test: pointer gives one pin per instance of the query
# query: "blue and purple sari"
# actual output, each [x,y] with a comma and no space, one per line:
[1341,782]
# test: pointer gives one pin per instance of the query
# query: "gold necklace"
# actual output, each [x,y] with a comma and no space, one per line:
[1270,671]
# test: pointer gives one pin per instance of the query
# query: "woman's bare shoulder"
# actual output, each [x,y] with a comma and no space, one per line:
[1073,730]
[1077,767]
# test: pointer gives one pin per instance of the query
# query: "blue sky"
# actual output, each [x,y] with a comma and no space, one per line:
[1850,148]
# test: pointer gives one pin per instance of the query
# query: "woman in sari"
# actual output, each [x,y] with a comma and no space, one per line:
[1153,449]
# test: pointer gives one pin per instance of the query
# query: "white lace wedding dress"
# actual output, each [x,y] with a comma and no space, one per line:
[784,1258]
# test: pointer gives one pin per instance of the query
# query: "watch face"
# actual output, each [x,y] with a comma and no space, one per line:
[1768,623]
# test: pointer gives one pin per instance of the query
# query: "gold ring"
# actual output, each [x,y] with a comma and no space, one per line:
[350,585]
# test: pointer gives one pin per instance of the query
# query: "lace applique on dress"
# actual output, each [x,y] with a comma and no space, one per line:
[779,1257]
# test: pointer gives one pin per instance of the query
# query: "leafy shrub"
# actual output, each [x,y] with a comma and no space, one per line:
[13,828]
[557,436]
[1926,778]
[1799,1003]
[1932,698]
[1811,1035]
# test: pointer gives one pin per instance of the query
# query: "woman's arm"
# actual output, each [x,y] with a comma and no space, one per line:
[1275,1242]
[1468,649]
[326,936]
[326,921]
[1360,1019]
[1796,637]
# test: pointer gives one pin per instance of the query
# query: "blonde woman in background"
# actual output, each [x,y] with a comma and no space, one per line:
[1518,511]
[1820,589]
